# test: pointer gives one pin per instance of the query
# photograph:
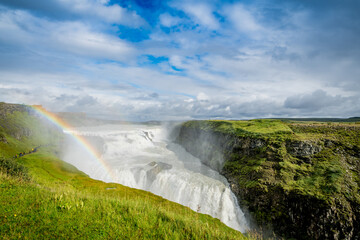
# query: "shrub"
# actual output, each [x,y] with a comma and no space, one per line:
[13,168]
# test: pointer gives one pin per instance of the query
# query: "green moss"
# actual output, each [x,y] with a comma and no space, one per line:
[346,133]
[321,179]
[243,128]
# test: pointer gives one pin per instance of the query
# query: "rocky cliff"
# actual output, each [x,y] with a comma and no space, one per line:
[301,180]
[22,122]
[11,123]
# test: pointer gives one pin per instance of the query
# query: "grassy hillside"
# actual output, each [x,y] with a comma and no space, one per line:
[44,197]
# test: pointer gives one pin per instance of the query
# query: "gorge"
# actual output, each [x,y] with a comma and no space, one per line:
[301,180]
[298,180]
[144,157]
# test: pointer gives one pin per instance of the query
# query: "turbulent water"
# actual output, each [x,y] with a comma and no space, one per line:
[141,156]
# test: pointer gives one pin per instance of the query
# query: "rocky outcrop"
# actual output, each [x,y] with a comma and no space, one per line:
[8,108]
[13,127]
[22,122]
[21,132]
[154,168]
[303,149]
[302,189]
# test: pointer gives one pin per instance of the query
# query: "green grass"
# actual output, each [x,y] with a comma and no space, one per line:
[13,168]
[250,127]
[54,200]
[262,126]
[61,202]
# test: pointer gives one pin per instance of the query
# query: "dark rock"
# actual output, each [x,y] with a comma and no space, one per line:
[8,108]
[148,135]
[303,149]
[329,143]
[156,168]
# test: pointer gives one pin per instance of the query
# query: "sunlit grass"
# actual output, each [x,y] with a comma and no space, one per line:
[61,202]
[257,126]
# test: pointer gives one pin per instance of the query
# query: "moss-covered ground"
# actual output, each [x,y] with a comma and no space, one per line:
[322,175]
[241,128]
[300,177]
[42,197]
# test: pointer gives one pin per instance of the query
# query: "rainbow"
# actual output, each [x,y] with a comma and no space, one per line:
[66,127]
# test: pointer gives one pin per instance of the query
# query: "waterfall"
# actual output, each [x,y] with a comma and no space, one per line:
[141,156]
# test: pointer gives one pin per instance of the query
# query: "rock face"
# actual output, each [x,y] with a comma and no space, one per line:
[302,189]
[11,127]
[303,149]
[8,108]
[155,169]
[22,122]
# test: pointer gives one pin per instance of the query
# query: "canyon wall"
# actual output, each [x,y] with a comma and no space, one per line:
[302,183]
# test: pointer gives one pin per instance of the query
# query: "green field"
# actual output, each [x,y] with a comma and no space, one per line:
[241,128]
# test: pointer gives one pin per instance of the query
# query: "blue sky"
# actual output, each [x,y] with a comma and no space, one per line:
[162,60]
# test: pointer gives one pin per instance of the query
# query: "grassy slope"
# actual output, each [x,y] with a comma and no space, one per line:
[60,202]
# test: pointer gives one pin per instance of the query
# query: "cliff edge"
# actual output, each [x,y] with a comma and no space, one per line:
[299,179]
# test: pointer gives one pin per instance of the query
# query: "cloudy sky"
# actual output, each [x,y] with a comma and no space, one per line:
[160,60]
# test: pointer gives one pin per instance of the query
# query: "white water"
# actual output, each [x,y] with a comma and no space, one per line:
[140,156]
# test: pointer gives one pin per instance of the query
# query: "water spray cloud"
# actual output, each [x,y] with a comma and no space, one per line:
[66,127]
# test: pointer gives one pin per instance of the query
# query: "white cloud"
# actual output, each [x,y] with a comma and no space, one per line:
[202,14]
[176,61]
[62,93]
[242,19]
[252,71]
[79,39]
[168,21]
[11,27]
[202,97]
[102,10]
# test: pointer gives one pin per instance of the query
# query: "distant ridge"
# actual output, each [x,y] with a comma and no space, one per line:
[351,119]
